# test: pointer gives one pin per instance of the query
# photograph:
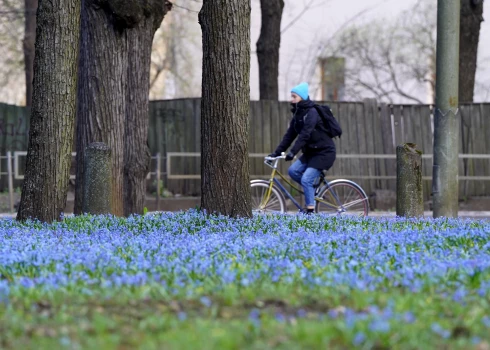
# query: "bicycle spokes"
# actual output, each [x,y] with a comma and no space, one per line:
[266,198]
[343,198]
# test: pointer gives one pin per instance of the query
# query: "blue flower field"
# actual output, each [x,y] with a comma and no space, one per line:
[193,281]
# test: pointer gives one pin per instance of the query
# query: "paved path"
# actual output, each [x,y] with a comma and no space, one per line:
[376,214]
[428,214]
[477,215]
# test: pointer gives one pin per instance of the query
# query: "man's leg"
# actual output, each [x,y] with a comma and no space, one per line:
[296,171]
[307,181]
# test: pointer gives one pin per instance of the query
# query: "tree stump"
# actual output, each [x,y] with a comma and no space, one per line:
[409,190]
[98,179]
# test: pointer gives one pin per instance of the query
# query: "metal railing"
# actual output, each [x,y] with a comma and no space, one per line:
[13,172]
[172,176]
[10,176]
[18,154]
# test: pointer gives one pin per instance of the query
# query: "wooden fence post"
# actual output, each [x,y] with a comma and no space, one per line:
[409,190]
[98,179]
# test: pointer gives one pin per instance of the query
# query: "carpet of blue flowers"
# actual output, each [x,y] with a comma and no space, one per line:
[190,280]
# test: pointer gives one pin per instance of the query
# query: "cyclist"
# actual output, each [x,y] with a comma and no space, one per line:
[318,148]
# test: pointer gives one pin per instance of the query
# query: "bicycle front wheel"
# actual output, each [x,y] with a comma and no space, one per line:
[342,198]
[265,201]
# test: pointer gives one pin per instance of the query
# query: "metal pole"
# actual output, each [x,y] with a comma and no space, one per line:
[158,180]
[446,116]
[10,180]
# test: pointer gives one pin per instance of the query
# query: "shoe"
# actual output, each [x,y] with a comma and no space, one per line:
[307,211]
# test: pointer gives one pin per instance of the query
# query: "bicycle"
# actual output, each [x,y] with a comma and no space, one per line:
[339,197]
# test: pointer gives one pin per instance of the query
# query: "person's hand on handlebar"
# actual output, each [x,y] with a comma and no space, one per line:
[274,156]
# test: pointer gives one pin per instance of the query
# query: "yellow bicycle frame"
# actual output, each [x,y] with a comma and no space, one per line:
[332,201]
[275,172]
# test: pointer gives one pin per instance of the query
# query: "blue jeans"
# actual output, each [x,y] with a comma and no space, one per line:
[300,173]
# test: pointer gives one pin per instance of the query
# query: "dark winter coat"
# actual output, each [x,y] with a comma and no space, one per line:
[318,148]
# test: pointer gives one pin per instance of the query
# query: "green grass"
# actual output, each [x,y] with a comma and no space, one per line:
[309,307]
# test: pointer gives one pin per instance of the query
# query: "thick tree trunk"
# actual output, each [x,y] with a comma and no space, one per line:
[471,18]
[113,93]
[28,45]
[101,104]
[225,107]
[53,111]
[137,154]
[268,48]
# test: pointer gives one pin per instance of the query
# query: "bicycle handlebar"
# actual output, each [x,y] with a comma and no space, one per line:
[282,156]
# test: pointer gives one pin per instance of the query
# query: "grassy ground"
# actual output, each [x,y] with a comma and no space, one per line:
[188,280]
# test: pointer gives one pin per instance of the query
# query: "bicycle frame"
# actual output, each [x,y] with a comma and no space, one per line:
[272,162]
[284,190]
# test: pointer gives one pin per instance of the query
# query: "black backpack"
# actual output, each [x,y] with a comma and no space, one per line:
[331,124]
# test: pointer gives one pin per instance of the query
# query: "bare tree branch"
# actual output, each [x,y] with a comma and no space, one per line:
[294,20]
[389,60]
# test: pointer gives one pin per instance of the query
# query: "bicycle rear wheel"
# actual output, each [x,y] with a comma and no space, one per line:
[342,198]
[261,204]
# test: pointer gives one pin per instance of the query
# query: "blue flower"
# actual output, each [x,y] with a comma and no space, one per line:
[380,326]
[436,328]
[206,301]
[359,338]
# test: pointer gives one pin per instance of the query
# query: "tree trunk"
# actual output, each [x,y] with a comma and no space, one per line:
[471,18]
[28,46]
[113,93]
[268,48]
[225,107]
[137,154]
[53,111]
[101,103]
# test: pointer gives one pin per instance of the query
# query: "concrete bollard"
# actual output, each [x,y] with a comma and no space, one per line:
[97,184]
[409,189]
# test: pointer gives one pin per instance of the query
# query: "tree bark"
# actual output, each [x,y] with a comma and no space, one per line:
[268,47]
[470,21]
[101,103]
[28,45]
[53,111]
[225,107]
[409,189]
[137,154]
[113,93]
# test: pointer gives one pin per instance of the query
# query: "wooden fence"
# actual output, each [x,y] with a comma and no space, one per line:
[365,153]
[14,136]
[14,128]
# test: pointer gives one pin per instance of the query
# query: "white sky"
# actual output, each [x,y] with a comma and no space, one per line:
[321,22]
[296,57]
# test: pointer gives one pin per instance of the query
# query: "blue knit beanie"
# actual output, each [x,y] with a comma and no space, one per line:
[301,90]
